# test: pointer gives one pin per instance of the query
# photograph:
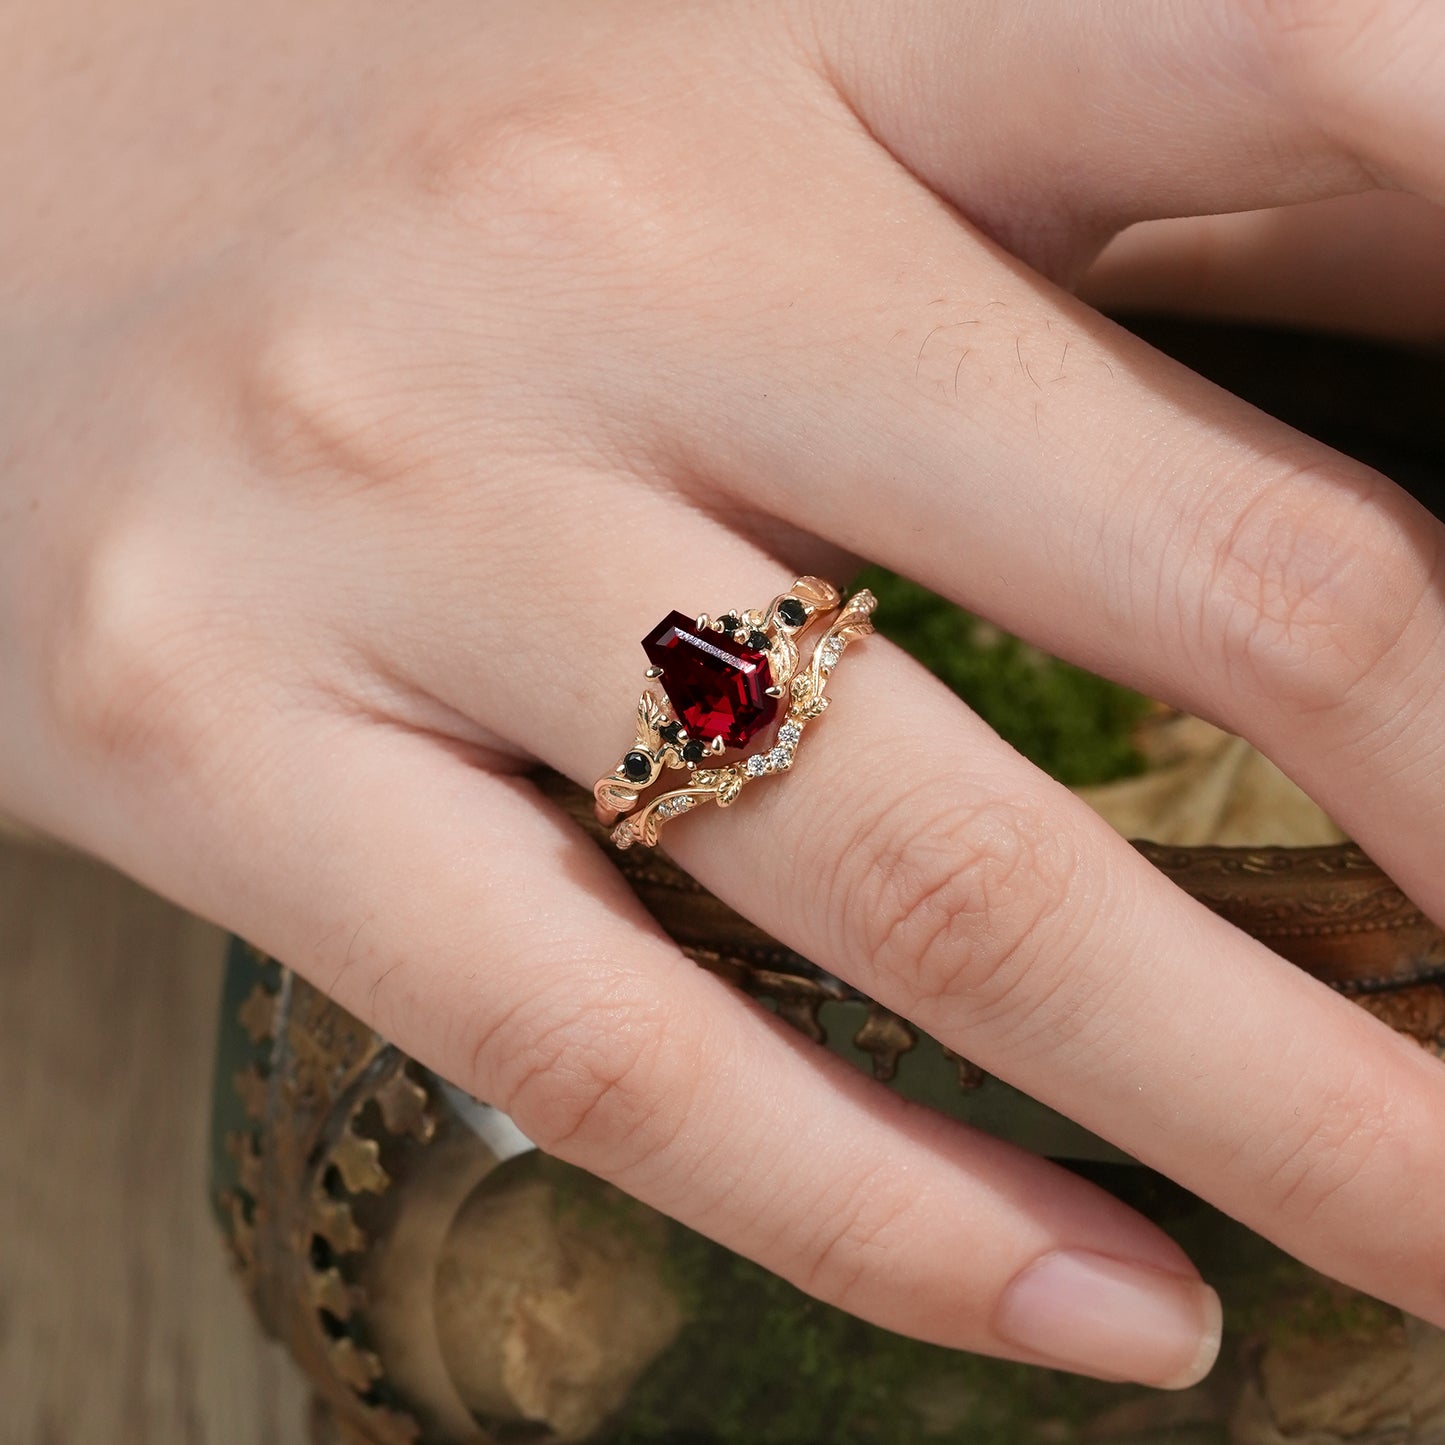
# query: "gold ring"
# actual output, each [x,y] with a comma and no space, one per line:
[723,680]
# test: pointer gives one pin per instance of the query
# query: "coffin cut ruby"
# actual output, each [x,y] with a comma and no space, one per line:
[717,686]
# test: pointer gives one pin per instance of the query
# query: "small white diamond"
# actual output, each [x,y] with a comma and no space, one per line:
[756,766]
[789,733]
[780,757]
[681,805]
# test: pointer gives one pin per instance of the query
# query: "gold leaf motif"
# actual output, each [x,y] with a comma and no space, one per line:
[241,1146]
[403,1103]
[331,1293]
[650,717]
[886,1037]
[617,794]
[970,1076]
[816,592]
[253,1087]
[782,659]
[333,1221]
[731,787]
[853,622]
[241,1236]
[258,1014]
[359,1368]
[359,1161]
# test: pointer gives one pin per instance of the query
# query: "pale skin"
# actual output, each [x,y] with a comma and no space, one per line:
[373,377]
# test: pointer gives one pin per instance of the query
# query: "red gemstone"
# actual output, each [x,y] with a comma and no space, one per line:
[718,687]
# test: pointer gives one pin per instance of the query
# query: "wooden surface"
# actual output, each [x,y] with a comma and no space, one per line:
[119,1321]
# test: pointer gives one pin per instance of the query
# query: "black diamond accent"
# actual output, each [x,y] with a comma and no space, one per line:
[670,732]
[792,612]
[758,641]
[729,623]
[637,767]
[692,751]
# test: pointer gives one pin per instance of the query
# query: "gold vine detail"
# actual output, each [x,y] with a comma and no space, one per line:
[722,785]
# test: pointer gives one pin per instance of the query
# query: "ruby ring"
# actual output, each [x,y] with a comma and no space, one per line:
[723,681]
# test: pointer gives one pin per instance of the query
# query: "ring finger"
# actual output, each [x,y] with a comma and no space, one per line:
[501,948]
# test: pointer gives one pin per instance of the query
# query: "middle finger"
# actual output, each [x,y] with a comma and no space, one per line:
[981,431]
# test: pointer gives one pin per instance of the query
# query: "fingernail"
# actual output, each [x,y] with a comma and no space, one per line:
[1106,1316]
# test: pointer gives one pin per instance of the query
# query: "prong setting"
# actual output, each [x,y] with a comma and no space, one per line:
[663,740]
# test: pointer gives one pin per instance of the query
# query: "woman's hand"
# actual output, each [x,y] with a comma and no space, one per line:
[374,378]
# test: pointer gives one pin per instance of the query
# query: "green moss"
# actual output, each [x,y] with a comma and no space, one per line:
[1267,1294]
[594,1204]
[1322,1309]
[759,1362]
[1074,725]
[763,1363]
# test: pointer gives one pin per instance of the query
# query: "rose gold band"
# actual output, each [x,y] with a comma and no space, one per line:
[722,681]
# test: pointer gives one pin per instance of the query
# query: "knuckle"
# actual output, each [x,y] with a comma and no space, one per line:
[121,677]
[1292,28]
[960,901]
[319,399]
[585,1078]
[852,1243]
[1320,51]
[566,174]
[327,408]
[1312,588]
[542,218]
[1338,1146]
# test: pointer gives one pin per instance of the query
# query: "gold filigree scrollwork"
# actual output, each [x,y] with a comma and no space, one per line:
[805,690]
[619,793]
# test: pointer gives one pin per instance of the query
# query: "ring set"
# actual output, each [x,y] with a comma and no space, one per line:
[723,680]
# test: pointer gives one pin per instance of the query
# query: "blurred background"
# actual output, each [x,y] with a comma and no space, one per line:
[119,1319]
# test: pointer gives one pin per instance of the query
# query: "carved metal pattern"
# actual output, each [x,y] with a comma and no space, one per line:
[302,1165]
[313,1153]
[1329,909]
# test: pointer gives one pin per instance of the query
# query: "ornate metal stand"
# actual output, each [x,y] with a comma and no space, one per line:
[349,1168]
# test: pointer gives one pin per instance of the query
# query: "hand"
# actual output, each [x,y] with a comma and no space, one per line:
[375,379]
